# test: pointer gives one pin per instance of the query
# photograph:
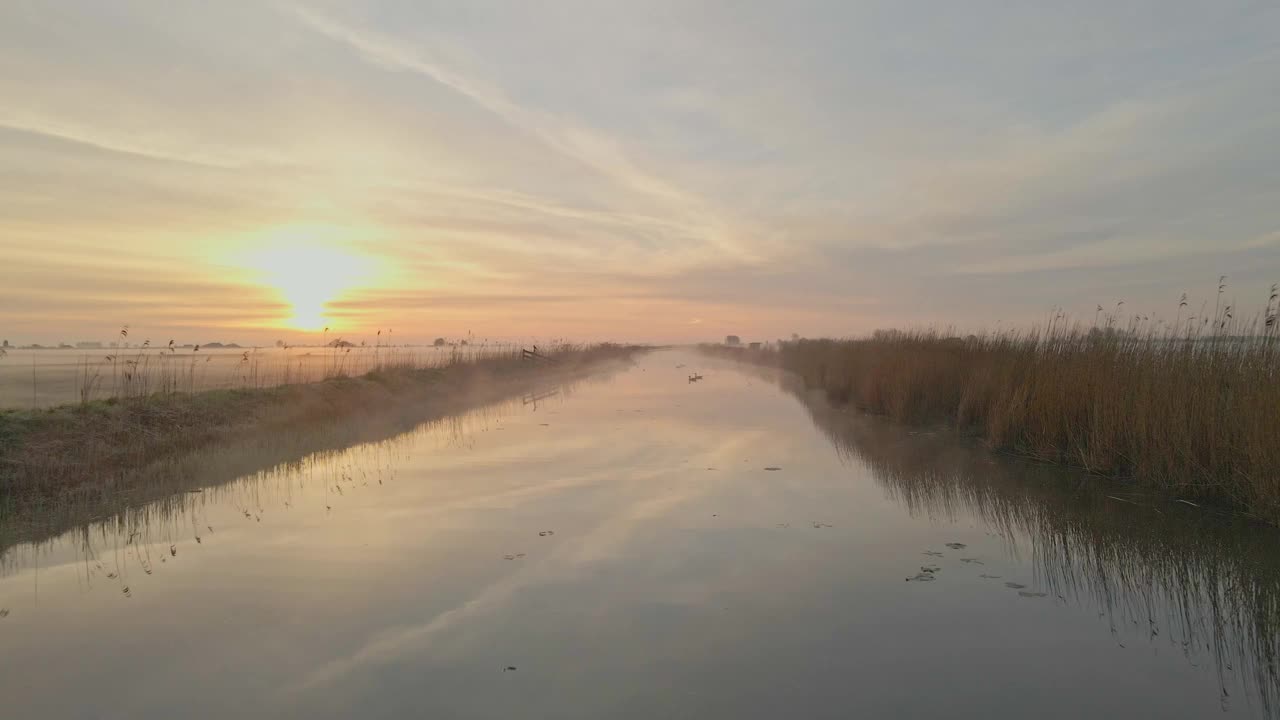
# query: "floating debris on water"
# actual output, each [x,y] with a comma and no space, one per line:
[509,668]
[820,525]
[957,546]
[4,612]
[975,561]
[545,533]
[989,577]
[1024,593]
[932,553]
[1014,585]
[926,574]
[773,469]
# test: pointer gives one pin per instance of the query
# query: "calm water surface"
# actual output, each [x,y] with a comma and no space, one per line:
[621,549]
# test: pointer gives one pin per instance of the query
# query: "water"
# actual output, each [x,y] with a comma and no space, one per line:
[618,549]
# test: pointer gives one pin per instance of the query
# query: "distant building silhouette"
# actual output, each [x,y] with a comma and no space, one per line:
[732,340]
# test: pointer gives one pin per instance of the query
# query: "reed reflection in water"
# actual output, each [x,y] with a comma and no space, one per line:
[324,463]
[1188,579]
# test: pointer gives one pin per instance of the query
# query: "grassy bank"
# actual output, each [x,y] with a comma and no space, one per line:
[1198,415]
[66,455]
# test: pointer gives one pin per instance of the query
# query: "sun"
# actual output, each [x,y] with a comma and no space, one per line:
[309,271]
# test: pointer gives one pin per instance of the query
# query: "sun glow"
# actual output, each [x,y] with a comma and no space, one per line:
[309,271]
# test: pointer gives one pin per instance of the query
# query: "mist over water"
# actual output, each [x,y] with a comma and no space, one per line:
[619,547]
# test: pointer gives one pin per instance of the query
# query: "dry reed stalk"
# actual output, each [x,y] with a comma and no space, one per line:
[1194,409]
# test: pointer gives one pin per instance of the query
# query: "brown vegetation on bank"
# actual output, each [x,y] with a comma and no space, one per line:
[66,454]
[1192,409]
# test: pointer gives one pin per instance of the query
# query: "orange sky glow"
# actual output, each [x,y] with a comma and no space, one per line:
[247,172]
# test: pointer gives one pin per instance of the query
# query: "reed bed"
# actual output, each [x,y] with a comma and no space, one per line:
[1192,406]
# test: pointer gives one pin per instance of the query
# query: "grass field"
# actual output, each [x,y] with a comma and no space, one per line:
[49,377]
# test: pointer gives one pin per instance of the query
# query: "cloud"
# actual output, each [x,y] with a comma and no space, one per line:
[587,146]
[826,170]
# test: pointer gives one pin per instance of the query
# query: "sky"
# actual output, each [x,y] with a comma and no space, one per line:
[647,171]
